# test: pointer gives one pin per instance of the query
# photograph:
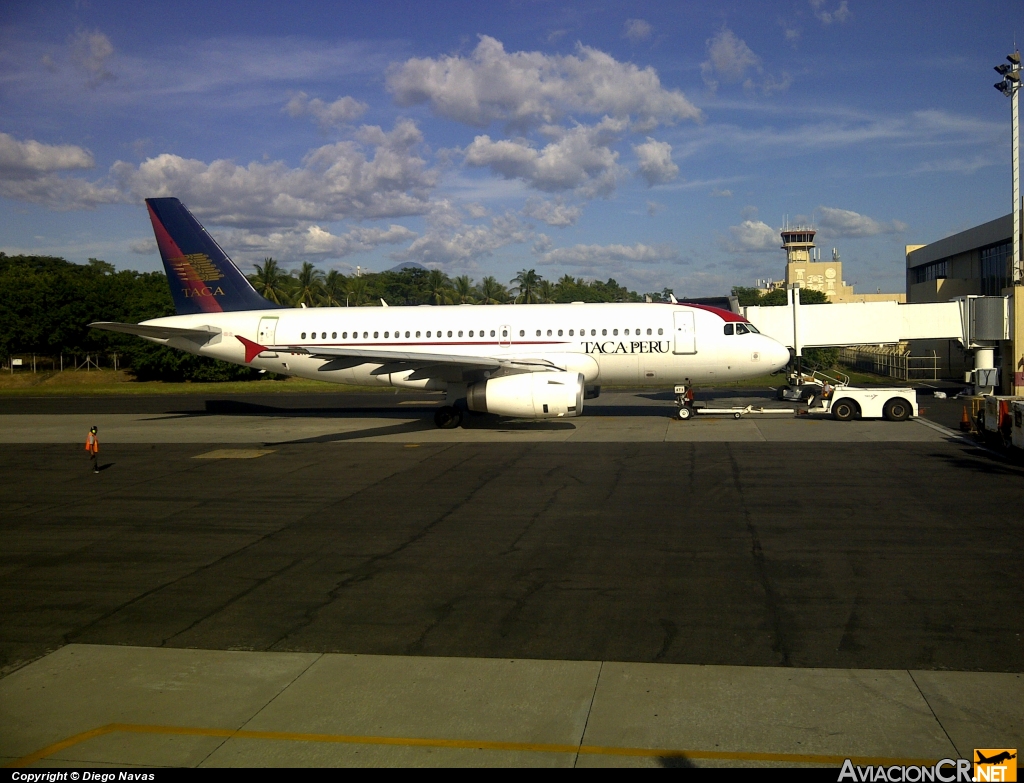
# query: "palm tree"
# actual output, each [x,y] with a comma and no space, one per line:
[438,287]
[270,282]
[545,291]
[525,285]
[309,285]
[492,291]
[336,288]
[357,291]
[464,291]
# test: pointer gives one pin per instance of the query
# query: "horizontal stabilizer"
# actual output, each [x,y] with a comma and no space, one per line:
[201,335]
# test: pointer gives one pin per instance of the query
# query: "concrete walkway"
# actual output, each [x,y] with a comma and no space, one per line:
[93,705]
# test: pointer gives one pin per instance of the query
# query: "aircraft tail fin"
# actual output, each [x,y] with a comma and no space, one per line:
[202,277]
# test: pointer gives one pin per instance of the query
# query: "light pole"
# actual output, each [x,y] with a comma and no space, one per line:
[1010,87]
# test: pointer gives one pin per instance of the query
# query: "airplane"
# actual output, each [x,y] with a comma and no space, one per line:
[522,361]
[996,759]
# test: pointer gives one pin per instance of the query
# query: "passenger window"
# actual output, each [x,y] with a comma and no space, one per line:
[728,329]
[559,332]
[504,332]
[470,332]
[344,335]
[334,335]
[417,334]
[385,334]
[522,333]
[604,332]
[661,331]
[492,333]
[593,332]
[538,332]
[741,329]
[449,332]
[366,335]
[460,333]
[626,332]
[303,336]
[648,331]
[570,332]
[549,332]
[323,336]
[615,332]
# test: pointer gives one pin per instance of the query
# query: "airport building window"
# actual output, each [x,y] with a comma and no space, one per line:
[995,269]
[937,270]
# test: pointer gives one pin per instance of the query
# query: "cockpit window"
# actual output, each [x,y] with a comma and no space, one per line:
[729,329]
[741,328]
[752,328]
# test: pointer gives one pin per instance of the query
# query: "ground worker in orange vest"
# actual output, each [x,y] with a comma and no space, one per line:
[92,448]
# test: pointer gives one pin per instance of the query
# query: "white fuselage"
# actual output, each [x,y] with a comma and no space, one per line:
[611,344]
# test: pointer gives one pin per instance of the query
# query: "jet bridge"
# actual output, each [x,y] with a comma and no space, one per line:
[978,322]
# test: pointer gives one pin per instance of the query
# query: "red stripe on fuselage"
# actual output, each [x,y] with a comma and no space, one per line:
[169,249]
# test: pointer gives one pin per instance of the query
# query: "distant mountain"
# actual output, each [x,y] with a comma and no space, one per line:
[406,265]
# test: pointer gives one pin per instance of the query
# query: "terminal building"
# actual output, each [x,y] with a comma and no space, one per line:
[974,262]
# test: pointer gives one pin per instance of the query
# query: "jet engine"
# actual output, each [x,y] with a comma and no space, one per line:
[534,395]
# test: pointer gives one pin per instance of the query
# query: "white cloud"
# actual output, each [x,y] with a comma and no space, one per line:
[603,256]
[525,89]
[315,241]
[730,60]
[846,223]
[555,212]
[30,171]
[752,236]
[144,247]
[723,193]
[462,246]
[334,181]
[27,159]
[90,52]
[840,13]
[653,208]
[327,115]
[637,30]
[579,159]
[655,159]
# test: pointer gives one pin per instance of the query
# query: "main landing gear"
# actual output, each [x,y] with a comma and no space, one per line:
[448,417]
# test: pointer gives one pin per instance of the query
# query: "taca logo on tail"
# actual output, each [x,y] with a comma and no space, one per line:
[202,277]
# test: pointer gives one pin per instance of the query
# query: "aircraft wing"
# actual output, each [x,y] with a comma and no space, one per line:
[391,357]
[160,332]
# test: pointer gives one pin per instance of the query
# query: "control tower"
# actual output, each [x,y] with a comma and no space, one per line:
[805,269]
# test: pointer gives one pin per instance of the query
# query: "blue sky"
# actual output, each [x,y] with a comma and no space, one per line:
[662,144]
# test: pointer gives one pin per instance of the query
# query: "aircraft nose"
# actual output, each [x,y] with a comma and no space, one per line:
[778,355]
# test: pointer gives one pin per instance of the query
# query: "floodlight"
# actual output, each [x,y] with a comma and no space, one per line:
[1013,76]
[1003,87]
[1014,58]
[1002,70]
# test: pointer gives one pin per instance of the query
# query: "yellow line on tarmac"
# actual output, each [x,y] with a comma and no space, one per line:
[529,747]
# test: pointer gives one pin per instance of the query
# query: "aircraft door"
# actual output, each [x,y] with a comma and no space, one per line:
[684,336]
[505,335]
[266,336]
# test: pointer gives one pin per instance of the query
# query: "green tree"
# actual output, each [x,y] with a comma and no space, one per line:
[464,291]
[358,291]
[335,289]
[545,292]
[438,288]
[309,286]
[270,281]
[492,292]
[525,286]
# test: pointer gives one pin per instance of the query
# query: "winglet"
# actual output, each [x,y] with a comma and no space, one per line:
[252,350]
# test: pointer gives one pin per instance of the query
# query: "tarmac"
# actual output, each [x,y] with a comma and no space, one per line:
[304,581]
